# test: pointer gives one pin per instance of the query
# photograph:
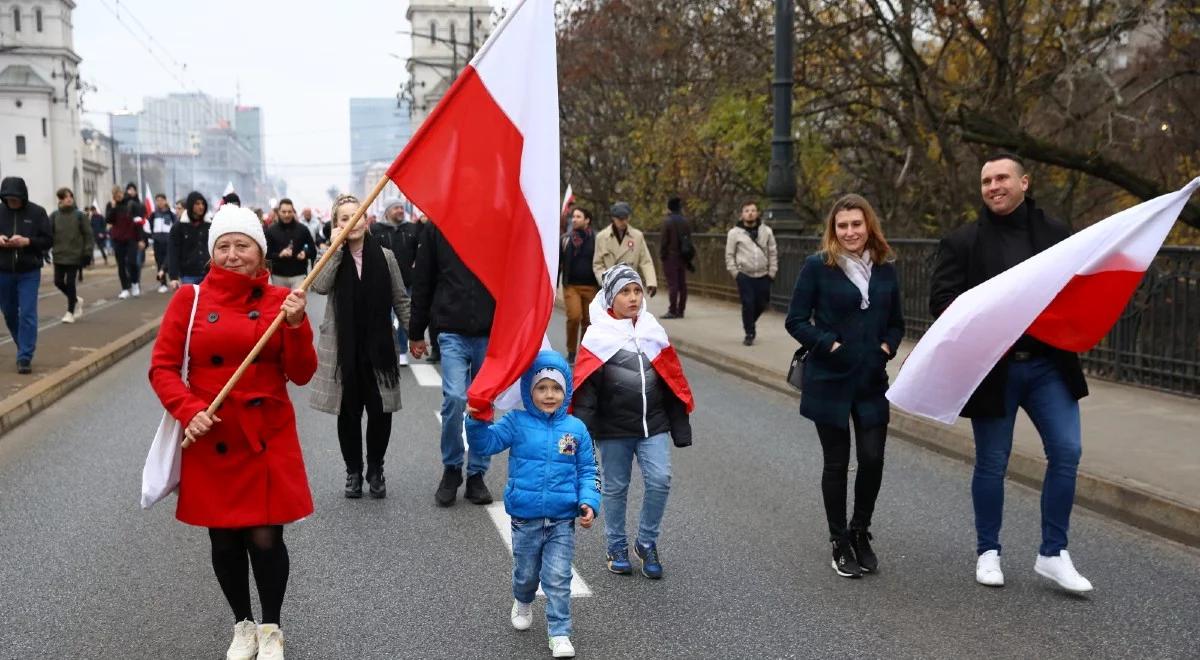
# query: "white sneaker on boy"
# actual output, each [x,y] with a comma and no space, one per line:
[245,641]
[560,647]
[987,569]
[1062,571]
[522,615]
[270,642]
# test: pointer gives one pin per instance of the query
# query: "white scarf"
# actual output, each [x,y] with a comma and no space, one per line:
[858,270]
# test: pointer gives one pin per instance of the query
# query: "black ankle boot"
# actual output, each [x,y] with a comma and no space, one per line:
[477,490]
[354,485]
[377,487]
[447,490]
[860,539]
[844,562]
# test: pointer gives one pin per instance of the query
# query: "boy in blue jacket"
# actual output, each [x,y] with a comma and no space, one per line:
[551,480]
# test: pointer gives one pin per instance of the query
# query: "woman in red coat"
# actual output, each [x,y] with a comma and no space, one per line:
[242,474]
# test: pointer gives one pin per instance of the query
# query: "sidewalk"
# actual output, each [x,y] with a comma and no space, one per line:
[1141,448]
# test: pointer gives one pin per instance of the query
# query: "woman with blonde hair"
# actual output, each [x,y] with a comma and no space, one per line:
[846,310]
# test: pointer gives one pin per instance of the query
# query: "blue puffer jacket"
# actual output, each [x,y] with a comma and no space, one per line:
[552,463]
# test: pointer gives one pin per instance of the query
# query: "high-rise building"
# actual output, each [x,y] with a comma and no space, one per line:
[445,36]
[248,125]
[379,129]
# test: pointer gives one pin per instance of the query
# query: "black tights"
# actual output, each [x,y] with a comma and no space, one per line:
[265,550]
[64,279]
[835,443]
[355,398]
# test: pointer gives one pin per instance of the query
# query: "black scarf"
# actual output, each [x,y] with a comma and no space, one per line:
[362,312]
[753,231]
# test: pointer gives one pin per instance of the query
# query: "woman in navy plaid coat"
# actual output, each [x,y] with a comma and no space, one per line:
[846,310]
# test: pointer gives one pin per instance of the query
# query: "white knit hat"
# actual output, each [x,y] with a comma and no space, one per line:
[230,219]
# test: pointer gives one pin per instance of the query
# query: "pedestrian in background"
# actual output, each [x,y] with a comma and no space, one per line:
[244,477]
[25,236]
[551,481]
[846,310]
[161,222]
[631,394]
[289,247]
[314,227]
[676,253]
[125,217]
[578,278]
[99,232]
[752,258]
[401,237]
[72,249]
[619,243]
[357,348]
[188,243]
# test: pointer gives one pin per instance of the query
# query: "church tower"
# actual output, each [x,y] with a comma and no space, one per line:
[445,36]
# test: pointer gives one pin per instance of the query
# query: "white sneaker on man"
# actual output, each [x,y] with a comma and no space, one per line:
[522,615]
[1062,571]
[162,288]
[78,307]
[560,647]
[403,357]
[124,295]
[137,290]
[987,569]
[270,642]
[245,641]
[68,318]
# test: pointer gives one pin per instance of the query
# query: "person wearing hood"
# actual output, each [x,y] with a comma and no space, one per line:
[161,221]
[187,259]
[752,258]
[401,236]
[72,249]
[631,393]
[242,472]
[25,236]
[125,215]
[551,481]
[289,246]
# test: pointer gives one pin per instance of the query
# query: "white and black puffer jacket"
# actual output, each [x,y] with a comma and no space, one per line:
[625,398]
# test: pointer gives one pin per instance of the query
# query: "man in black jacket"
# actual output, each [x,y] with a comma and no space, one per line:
[402,238]
[188,260]
[24,239]
[1045,381]
[289,247]
[676,252]
[448,295]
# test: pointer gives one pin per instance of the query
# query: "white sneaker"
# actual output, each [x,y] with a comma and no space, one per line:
[124,295]
[522,615]
[78,307]
[137,290]
[270,642]
[987,569]
[162,288]
[68,318]
[1061,570]
[245,641]
[560,647]
[403,359]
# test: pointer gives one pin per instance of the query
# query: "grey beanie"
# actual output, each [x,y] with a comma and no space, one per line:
[620,210]
[390,202]
[615,279]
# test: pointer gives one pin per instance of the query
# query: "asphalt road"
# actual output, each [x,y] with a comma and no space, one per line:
[84,573]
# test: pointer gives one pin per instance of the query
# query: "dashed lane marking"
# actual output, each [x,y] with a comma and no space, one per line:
[500,518]
[426,374]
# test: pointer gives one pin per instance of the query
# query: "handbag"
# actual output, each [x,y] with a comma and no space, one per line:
[160,475]
[795,375]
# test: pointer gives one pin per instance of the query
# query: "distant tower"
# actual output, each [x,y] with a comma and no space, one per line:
[445,35]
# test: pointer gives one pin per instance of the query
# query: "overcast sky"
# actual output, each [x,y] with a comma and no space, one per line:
[300,60]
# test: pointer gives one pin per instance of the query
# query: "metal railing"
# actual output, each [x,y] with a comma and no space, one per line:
[1155,344]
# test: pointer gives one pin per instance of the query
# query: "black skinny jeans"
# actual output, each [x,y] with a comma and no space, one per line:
[835,444]
[755,293]
[362,394]
[129,267]
[234,551]
[64,279]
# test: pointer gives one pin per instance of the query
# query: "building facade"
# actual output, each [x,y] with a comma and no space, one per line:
[379,129]
[445,36]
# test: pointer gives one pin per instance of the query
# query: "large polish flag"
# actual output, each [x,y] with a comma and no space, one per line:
[484,168]
[1068,296]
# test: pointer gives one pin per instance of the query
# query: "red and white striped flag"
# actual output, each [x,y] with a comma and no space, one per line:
[484,168]
[568,198]
[1068,296]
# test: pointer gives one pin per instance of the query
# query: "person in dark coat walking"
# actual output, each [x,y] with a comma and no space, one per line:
[676,253]
[25,236]
[400,236]
[72,249]
[578,278]
[289,247]
[99,232]
[846,310]
[125,216]
[188,244]
[1047,382]
[161,221]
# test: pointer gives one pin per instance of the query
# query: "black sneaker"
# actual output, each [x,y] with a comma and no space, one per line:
[376,485]
[354,485]
[860,539]
[671,315]
[748,341]
[477,491]
[447,490]
[23,367]
[843,559]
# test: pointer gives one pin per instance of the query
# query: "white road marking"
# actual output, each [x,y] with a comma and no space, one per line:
[426,374]
[579,588]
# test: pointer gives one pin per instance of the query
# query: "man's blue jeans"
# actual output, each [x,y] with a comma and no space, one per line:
[18,299]
[616,467]
[1036,386]
[461,358]
[543,550]
[191,279]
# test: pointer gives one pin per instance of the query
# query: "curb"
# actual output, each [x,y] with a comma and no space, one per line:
[1126,502]
[40,395]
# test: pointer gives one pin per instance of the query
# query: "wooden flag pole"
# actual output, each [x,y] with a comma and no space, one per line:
[333,247]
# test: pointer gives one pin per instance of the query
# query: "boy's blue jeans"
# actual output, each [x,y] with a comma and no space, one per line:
[462,357]
[543,550]
[1037,386]
[18,300]
[616,467]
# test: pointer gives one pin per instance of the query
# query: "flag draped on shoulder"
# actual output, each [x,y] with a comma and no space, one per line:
[1067,296]
[484,166]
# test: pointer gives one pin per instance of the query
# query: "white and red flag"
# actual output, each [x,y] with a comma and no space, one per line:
[484,168]
[568,199]
[1068,296]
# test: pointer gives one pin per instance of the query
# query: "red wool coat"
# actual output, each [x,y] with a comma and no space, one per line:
[248,470]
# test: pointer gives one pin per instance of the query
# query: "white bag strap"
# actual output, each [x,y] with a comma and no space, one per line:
[187,343]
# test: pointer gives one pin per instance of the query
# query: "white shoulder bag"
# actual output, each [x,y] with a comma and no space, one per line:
[160,476]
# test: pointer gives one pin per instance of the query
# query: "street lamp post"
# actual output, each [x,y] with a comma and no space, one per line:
[781,178]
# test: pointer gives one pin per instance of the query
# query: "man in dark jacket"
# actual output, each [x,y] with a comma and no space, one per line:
[161,221]
[188,249]
[578,278]
[1045,381]
[24,239]
[289,247]
[448,295]
[401,237]
[676,253]
[99,232]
